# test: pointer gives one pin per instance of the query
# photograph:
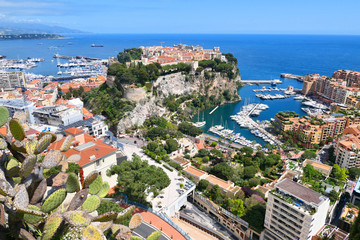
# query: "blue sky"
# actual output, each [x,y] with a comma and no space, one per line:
[190,16]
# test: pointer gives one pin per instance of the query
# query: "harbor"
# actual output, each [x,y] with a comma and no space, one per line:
[251,128]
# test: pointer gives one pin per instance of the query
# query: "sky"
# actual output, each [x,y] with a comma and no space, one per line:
[190,16]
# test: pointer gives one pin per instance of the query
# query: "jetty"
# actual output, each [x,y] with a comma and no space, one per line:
[292,76]
[262,81]
[213,110]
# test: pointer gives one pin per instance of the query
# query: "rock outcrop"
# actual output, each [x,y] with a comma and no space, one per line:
[175,84]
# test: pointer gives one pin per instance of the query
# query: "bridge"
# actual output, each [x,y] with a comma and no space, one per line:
[262,81]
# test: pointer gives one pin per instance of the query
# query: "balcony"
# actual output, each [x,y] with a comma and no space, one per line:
[294,202]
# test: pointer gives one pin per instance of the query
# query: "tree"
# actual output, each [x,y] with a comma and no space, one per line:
[308,154]
[354,173]
[137,178]
[333,195]
[213,144]
[339,173]
[203,152]
[355,230]
[152,146]
[250,171]
[171,145]
[237,207]
[202,185]
[189,129]
[247,151]
[215,193]
[108,206]
[310,173]
[223,171]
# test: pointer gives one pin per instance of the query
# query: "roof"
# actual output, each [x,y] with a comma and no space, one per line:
[217,181]
[74,131]
[299,191]
[194,171]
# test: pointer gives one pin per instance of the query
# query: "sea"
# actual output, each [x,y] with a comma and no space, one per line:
[260,57]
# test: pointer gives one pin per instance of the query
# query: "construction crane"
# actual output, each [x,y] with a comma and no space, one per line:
[23,90]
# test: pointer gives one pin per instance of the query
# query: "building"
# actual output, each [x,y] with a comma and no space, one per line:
[323,168]
[95,154]
[355,197]
[347,151]
[11,80]
[36,83]
[294,212]
[353,101]
[331,232]
[347,217]
[15,105]
[57,115]
[285,120]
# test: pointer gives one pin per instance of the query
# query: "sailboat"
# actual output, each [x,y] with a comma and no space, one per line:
[198,123]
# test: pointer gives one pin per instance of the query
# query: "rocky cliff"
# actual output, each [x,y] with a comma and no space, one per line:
[212,83]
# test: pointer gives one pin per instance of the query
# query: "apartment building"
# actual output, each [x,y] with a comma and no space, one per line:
[347,151]
[294,212]
[309,84]
[285,120]
[57,115]
[11,80]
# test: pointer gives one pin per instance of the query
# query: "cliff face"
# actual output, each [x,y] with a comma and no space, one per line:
[180,84]
[176,84]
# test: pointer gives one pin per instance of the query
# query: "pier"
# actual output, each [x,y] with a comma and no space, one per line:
[68,78]
[292,76]
[213,110]
[261,81]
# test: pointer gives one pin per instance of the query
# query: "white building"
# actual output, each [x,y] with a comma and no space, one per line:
[347,152]
[294,212]
[15,105]
[95,154]
[11,80]
[57,115]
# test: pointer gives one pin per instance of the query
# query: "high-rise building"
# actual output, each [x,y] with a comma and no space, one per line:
[11,79]
[294,212]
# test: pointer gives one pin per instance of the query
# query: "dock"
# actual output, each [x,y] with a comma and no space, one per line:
[292,76]
[261,81]
[68,78]
[213,110]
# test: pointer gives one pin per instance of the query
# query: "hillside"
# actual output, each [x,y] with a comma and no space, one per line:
[14,28]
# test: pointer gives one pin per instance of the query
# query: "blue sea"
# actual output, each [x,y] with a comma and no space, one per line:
[260,57]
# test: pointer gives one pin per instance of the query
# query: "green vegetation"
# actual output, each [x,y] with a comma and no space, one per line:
[354,173]
[134,74]
[108,206]
[137,179]
[355,230]
[308,154]
[223,171]
[189,129]
[129,54]
[108,102]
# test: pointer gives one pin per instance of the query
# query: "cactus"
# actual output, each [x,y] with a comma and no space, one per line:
[4,115]
[6,189]
[39,192]
[78,218]
[52,159]
[96,185]
[51,226]
[91,203]
[109,216]
[30,145]
[3,144]
[66,144]
[135,221]
[53,136]
[18,146]
[74,158]
[135,238]
[72,184]
[21,198]
[90,178]
[78,199]
[16,129]
[92,233]
[124,214]
[23,188]
[27,166]
[31,218]
[54,200]
[104,190]
[154,236]
[44,142]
